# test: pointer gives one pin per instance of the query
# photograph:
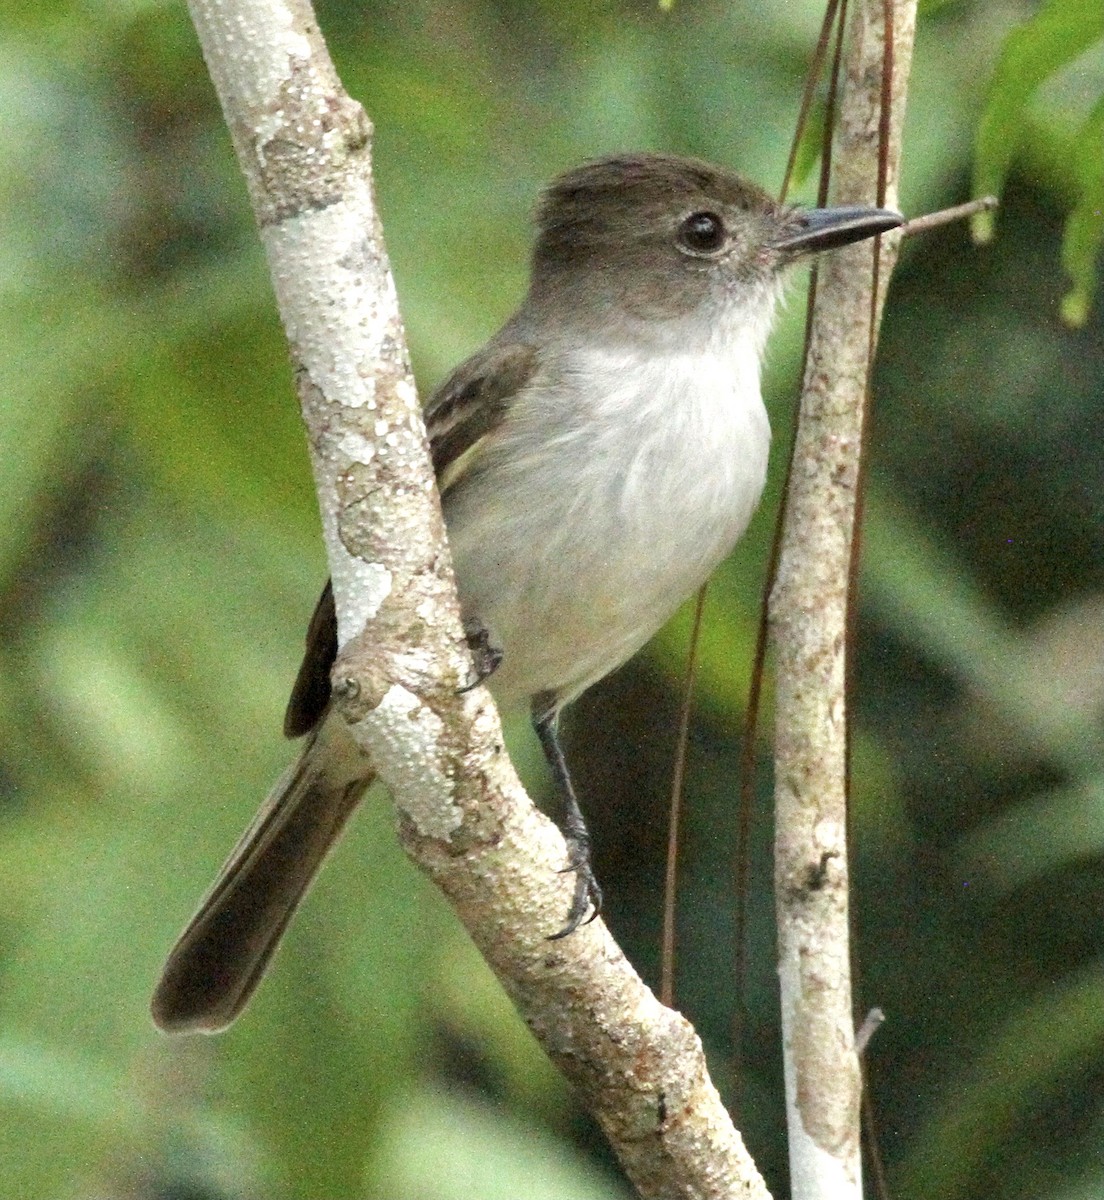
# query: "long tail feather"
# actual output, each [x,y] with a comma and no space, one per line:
[221,956]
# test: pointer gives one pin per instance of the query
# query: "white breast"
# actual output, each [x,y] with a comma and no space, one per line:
[614,488]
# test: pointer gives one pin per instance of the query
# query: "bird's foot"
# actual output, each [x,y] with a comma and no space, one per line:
[486,658]
[588,895]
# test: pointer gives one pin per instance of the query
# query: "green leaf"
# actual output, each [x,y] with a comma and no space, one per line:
[1085,227]
[441,1146]
[1036,837]
[981,1107]
[1055,36]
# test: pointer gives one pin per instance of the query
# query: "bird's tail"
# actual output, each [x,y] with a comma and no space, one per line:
[221,956]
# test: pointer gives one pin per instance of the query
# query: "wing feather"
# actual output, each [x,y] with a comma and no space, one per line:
[460,415]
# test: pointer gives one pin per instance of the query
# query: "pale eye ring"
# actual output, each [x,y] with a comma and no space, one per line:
[702,234]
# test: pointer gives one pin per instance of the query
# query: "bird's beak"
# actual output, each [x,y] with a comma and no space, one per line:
[810,230]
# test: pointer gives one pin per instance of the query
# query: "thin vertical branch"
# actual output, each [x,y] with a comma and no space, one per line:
[670,882]
[836,10]
[808,610]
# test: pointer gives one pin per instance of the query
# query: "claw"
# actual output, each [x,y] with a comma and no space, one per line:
[587,895]
[486,659]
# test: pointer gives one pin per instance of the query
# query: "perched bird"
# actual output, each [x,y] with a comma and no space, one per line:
[597,458]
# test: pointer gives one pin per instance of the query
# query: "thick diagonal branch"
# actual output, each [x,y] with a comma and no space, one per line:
[304,148]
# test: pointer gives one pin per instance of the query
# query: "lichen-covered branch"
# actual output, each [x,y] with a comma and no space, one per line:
[304,147]
[808,613]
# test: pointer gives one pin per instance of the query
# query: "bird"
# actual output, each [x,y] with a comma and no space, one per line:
[596,460]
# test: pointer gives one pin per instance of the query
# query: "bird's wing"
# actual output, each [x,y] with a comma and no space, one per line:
[459,417]
[471,404]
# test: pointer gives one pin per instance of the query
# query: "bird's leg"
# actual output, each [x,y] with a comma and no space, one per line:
[486,658]
[587,892]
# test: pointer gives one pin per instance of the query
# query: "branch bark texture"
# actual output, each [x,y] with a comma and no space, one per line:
[304,147]
[808,613]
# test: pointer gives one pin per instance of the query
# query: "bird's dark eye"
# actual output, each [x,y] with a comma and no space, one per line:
[702,233]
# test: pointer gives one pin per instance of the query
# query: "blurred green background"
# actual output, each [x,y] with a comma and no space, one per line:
[159,561]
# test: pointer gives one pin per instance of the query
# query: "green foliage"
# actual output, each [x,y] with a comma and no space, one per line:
[159,559]
[1085,226]
[1059,34]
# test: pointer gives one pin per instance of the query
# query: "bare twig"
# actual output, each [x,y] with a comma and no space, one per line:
[304,147]
[871,1023]
[808,619]
[958,212]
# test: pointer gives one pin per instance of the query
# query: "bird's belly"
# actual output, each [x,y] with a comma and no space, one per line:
[574,562]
